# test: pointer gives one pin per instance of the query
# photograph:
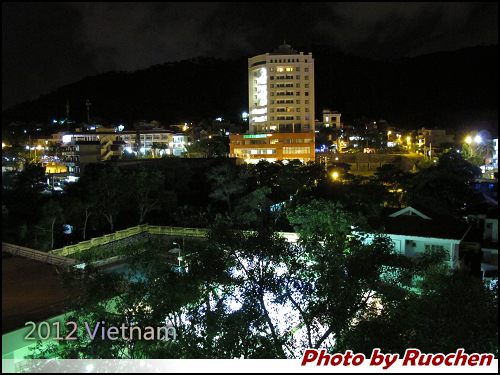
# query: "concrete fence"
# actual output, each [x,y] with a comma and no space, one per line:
[144,228]
[129,232]
[40,256]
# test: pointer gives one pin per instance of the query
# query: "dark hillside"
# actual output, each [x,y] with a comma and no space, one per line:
[448,89]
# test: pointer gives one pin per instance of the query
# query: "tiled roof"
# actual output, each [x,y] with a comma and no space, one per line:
[414,225]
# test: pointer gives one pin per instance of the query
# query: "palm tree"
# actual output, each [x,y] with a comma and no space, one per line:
[486,149]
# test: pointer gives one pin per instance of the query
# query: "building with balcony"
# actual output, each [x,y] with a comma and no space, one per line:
[80,149]
[432,138]
[281,107]
[84,149]
[331,119]
[154,142]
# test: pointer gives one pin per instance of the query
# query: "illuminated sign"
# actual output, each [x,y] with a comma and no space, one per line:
[255,136]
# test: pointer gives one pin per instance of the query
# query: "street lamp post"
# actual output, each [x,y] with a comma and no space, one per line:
[179,258]
[477,140]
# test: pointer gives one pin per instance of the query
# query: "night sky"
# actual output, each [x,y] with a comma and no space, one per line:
[47,45]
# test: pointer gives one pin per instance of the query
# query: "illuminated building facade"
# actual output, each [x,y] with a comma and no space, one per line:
[281,108]
[80,149]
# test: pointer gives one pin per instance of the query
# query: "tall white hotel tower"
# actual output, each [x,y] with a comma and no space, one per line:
[281,108]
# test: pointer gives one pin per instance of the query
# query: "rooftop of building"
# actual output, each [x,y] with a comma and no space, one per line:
[31,291]
[284,49]
[407,224]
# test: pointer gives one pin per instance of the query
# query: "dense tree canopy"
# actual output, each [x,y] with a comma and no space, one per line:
[443,187]
[254,294]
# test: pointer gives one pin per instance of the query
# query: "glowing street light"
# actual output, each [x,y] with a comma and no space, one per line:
[335,175]
[478,139]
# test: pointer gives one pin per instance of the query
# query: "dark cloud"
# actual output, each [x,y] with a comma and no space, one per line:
[46,45]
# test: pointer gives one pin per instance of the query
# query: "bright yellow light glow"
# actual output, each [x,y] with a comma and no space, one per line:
[38,147]
[389,132]
[408,139]
[468,140]
[335,175]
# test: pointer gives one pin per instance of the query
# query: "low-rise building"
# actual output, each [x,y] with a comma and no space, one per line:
[432,138]
[273,147]
[103,144]
[418,230]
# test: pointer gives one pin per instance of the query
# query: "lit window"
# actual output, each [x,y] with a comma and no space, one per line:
[289,69]
[280,70]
